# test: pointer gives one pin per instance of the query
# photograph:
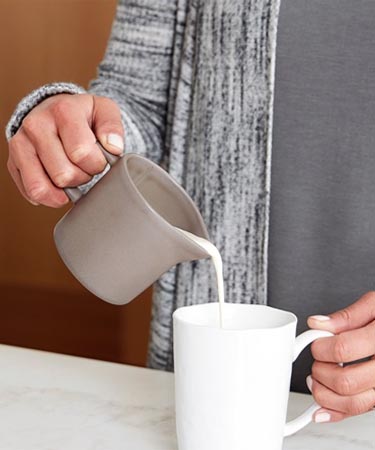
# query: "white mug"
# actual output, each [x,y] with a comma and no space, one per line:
[232,384]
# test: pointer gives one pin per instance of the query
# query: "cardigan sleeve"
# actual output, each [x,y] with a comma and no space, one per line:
[135,73]
[33,99]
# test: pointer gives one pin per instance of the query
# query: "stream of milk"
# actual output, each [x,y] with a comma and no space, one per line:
[218,265]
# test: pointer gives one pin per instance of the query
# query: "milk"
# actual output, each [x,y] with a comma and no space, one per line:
[218,265]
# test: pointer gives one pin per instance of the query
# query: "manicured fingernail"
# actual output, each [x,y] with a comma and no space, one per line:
[322,417]
[309,382]
[320,318]
[116,141]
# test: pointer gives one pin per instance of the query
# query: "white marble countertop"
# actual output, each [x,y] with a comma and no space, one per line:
[57,402]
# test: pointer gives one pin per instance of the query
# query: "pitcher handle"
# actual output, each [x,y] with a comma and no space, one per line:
[73,193]
[302,341]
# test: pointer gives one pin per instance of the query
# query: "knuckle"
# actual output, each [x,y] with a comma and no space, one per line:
[63,178]
[31,124]
[62,108]
[79,154]
[345,315]
[82,156]
[98,166]
[37,191]
[344,384]
[340,350]
[356,406]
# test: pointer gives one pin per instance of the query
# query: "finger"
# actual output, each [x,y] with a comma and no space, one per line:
[78,139]
[347,346]
[16,177]
[107,124]
[354,316]
[60,169]
[324,415]
[37,185]
[352,405]
[348,380]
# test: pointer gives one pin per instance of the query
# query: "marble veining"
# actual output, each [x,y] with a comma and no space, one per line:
[59,402]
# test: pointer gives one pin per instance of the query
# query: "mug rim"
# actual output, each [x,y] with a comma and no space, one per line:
[177,316]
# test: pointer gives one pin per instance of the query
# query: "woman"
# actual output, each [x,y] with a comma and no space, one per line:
[189,84]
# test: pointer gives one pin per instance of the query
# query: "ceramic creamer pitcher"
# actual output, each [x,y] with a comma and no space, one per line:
[119,237]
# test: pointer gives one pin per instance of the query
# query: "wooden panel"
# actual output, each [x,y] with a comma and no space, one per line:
[74,323]
[43,41]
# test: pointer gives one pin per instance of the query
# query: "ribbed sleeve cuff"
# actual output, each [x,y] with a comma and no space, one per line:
[33,99]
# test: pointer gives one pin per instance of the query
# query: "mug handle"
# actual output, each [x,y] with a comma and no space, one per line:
[302,341]
[73,193]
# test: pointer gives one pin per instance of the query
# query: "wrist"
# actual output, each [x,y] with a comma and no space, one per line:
[34,98]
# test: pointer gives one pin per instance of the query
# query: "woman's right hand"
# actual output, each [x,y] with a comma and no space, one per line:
[55,146]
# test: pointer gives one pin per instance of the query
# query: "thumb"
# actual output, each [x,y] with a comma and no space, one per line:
[356,315]
[107,124]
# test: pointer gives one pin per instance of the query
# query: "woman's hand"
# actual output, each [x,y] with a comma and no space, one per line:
[55,146]
[350,390]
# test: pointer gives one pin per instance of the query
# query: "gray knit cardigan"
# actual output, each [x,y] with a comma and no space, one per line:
[194,81]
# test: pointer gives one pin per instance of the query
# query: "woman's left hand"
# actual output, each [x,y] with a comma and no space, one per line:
[350,390]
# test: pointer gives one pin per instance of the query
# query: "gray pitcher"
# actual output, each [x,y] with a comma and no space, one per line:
[119,237]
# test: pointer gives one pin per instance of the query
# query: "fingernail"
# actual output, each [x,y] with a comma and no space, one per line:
[320,318]
[116,141]
[322,417]
[309,382]
[33,203]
